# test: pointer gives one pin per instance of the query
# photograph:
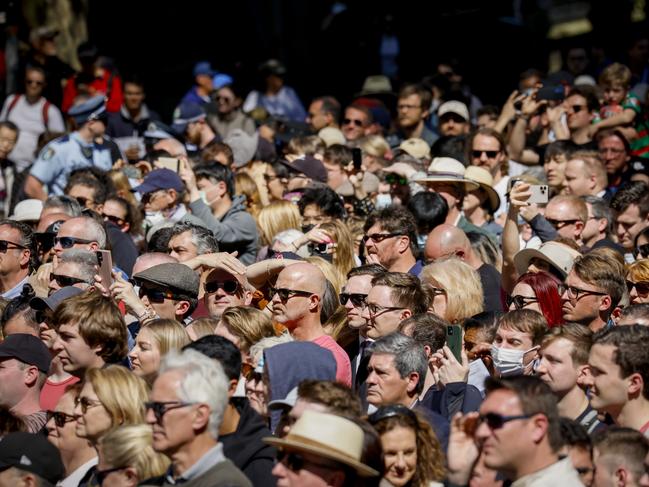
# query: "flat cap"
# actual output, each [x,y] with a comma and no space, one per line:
[177,277]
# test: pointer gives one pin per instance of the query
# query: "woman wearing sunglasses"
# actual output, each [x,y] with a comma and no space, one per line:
[538,292]
[77,454]
[127,457]
[637,281]
[412,454]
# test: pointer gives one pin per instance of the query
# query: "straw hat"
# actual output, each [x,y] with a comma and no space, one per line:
[328,436]
[559,256]
[447,170]
[416,147]
[481,176]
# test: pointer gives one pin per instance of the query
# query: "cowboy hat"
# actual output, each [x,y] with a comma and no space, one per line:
[481,176]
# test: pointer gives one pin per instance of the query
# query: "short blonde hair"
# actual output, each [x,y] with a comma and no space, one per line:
[132,446]
[277,217]
[203,326]
[462,284]
[250,324]
[168,334]
[615,74]
[638,271]
[374,145]
[121,392]
[593,164]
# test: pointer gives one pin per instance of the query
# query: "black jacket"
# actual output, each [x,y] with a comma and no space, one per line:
[245,447]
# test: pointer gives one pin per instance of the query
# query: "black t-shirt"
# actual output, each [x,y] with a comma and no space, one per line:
[491,287]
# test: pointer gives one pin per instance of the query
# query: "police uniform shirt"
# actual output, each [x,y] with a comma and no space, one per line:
[66,154]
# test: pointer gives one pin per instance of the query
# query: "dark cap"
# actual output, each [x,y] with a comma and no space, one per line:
[91,109]
[160,179]
[33,453]
[158,130]
[272,66]
[184,114]
[309,166]
[204,68]
[28,349]
[51,302]
[178,277]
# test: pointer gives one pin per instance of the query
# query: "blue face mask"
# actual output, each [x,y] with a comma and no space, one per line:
[383,200]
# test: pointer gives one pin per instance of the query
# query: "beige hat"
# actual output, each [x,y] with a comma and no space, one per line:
[559,256]
[447,170]
[416,148]
[328,436]
[456,107]
[331,136]
[27,210]
[483,177]
[376,84]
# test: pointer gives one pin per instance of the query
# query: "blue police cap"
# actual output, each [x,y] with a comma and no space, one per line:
[158,130]
[91,109]
[186,113]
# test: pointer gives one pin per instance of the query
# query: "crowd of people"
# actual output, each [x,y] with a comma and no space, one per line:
[411,289]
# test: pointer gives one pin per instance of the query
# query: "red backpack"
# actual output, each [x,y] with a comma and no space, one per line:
[46,109]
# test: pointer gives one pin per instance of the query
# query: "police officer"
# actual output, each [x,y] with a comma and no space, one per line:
[49,174]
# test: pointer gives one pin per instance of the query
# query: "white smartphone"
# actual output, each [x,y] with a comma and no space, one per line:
[539,192]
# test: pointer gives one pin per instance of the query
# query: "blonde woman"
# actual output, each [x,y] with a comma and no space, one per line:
[376,152]
[637,281]
[244,326]
[152,343]
[123,187]
[127,457]
[110,397]
[455,289]
[342,250]
[275,218]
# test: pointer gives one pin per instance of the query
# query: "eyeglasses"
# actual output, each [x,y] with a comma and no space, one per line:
[296,462]
[163,407]
[606,150]
[575,292]
[380,237]
[68,242]
[5,245]
[285,294]
[391,411]
[496,421]
[477,154]
[86,403]
[377,309]
[642,251]
[358,300]
[558,224]
[520,301]
[115,219]
[358,123]
[101,475]
[147,197]
[229,286]
[641,287]
[65,281]
[156,295]
[60,418]
[395,179]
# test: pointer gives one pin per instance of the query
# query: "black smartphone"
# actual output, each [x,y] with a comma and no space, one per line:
[357,158]
[454,340]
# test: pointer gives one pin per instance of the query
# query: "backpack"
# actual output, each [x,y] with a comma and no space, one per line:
[45,113]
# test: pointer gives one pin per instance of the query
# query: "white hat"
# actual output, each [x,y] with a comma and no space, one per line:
[27,210]
[447,170]
[559,256]
[331,136]
[327,436]
[416,147]
[456,107]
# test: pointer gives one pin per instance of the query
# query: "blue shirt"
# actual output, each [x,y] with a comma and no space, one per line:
[66,154]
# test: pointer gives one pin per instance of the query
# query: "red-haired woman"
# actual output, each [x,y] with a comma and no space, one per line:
[538,292]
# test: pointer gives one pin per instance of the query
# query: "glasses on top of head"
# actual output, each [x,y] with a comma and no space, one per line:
[68,242]
[160,408]
[6,245]
[229,287]
[519,301]
[285,294]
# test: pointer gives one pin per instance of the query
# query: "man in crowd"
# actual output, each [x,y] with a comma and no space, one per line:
[631,204]
[568,214]
[618,457]
[17,250]
[188,241]
[190,121]
[356,122]
[615,151]
[597,230]
[454,118]
[324,112]
[585,175]
[413,107]
[76,267]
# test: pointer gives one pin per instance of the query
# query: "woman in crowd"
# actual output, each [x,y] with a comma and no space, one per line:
[412,454]
[637,281]
[273,219]
[538,292]
[276,177]
[153,342]
[245,185]
[376,152]
[127,457]
[455,290]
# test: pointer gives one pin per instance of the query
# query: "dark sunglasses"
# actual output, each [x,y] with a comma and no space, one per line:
[395,179]
[318,248]
[358,123]
[156,295]
[60,418]
[161,408]
[391,411]
[82,200]
[296,462]
[490,153]
[101,475]
[558,224]
[229,287]
[68,242]
[641,287]
[44,241]
[496,421]
[380,237]
[115,219]
[520,301]
[577,108]
[642,251]
[65,281]
[5,245]
[358,300]
[286,294]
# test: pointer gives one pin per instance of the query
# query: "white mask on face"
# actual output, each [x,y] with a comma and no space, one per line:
[383,200]
[509,362]
[154,217]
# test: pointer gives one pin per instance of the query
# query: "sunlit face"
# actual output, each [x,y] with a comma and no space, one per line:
[556,367]
[585,308]
[628,224]
[578,179]
[96,421]
[614,94]
[410,112]
[578,114]
[357,285]
[182,246]
[608,389]
[145,356]
[482,149]
[614,154]
[384,383]
[399,455]
[555,168]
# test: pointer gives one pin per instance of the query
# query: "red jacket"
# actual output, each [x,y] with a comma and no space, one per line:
[99,85]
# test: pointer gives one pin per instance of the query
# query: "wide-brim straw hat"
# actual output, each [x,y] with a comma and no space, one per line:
[447,170]
[481,176]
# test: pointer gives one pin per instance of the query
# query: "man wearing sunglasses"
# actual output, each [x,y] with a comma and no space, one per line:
[170,289]
[518,434]
[76,268]
[567,214]
[82,232]
[188,400]
[223,290]
[356,122]
[488,150]
[16,257]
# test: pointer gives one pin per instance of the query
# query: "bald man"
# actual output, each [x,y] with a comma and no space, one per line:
[568,214]
[297,304]
[448,241]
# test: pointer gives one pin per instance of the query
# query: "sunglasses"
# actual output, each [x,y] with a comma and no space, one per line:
[86,403]
[358,123]
[229,287]
[496,421]
[319,248]
[577,108]
[65,281]
[490,153]
[5,245]
[68,242]
[163,407]
[380,237]
[296,462]
[520,301]
[115,219]
[44,241]
[358,300]
[60,418]
[642,251]
[286,294]
[558,224]
[83,201]
[101,475]
[395,179]
[641,287]
[156,295]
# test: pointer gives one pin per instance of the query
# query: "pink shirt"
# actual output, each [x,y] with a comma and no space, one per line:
[343,366]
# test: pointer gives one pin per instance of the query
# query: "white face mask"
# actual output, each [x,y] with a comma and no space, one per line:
[383,200]
[154,217]
[509,362]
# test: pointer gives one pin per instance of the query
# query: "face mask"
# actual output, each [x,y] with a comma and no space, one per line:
[421,241]
[154,217]
[383,200]
[508,362]
[203,195]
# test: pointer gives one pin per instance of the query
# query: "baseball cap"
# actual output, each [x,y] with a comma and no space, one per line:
[179,277]
[160,179]
[203,68]
[220,80]
[416,147]
[27,210]
[52,301]
[33,453]
[454,106]
[28,349]
[186,113]
[158,130]
[309,166]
